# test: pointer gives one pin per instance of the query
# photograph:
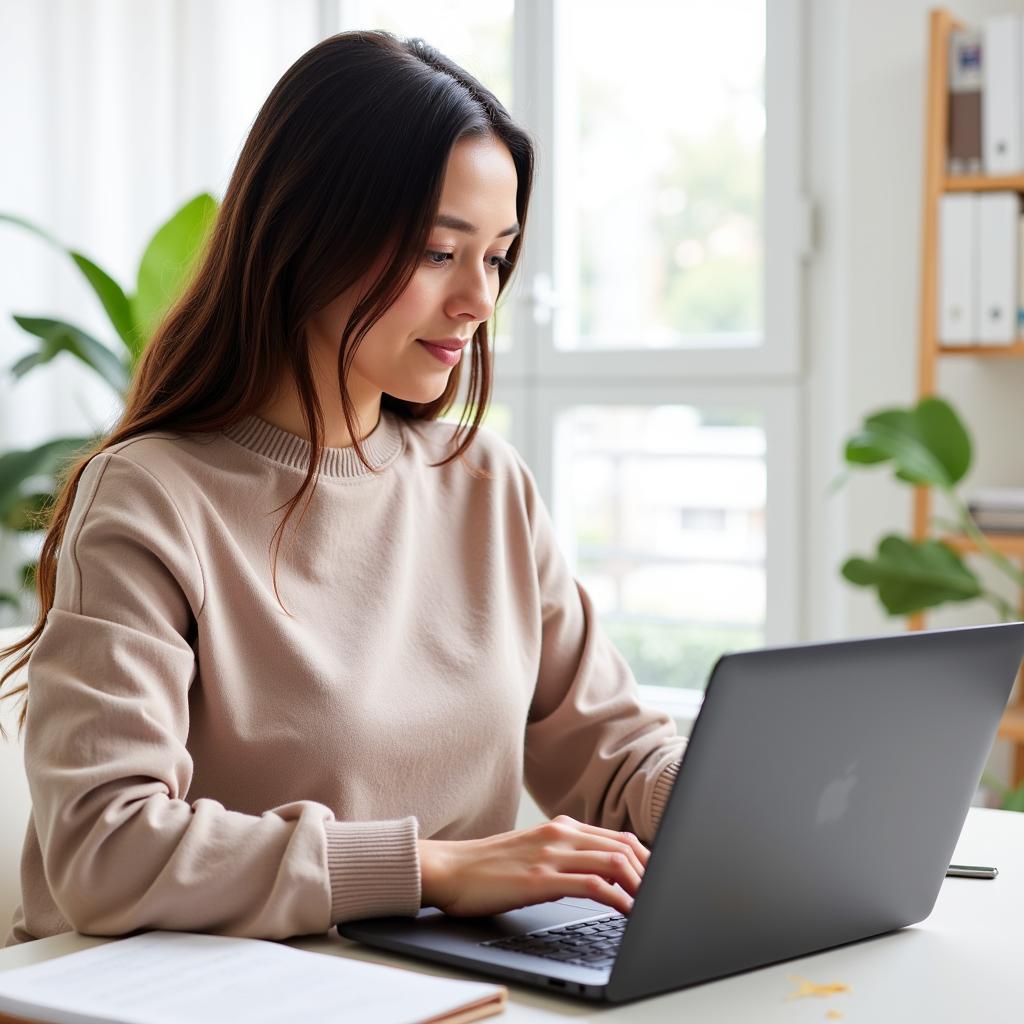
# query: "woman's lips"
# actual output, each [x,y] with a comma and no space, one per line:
[446,355]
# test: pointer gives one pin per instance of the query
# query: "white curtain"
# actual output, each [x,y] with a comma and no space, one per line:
[115,113]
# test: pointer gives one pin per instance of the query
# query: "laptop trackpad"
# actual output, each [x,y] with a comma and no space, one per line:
[548,915]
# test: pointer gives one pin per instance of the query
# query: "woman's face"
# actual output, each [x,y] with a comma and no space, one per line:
[452,291]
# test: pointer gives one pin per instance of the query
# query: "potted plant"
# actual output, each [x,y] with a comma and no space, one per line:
[928,445]
[29,477]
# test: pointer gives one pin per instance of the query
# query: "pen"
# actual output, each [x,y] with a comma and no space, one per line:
[970,871]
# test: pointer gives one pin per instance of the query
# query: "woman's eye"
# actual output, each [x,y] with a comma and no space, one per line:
[439,259]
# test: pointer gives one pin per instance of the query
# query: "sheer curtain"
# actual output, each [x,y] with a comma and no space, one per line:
[116,112]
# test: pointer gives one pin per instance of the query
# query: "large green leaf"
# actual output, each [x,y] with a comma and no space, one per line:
[910,576]
[1013,800]
[45,461]
[170,259]
[115,302]
[927,444]
[58,336]
[107,290]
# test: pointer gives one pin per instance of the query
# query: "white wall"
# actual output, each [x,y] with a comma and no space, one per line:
[867,65]
[115,112]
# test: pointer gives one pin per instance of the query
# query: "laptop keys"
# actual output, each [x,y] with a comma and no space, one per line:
[590,943]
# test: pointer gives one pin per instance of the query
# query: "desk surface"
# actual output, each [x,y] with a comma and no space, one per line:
[958,965]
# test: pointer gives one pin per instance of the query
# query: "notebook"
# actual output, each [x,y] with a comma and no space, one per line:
[161,977]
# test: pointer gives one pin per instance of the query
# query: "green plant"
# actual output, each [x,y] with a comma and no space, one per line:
[928,445]
[29,477]
[925,445]
[1010,799]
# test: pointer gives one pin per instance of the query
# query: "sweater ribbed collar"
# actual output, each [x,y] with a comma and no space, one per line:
[381,446]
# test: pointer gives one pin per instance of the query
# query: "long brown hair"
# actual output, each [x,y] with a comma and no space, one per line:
[344,164]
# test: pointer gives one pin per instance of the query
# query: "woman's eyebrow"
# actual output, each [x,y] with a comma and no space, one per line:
[445,220]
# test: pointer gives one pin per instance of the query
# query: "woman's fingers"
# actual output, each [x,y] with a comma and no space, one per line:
[641,851]
[606,839]
[614,846]
[592,887]
[610,865]
[643,854]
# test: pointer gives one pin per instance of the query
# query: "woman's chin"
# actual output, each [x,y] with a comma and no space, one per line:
[422,392]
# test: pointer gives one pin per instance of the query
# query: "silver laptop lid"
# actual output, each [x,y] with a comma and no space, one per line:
[821,796]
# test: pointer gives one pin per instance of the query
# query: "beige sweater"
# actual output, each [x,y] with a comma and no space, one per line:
[200,760]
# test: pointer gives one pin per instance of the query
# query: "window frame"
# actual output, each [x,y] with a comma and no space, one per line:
[538,381]
[538,31]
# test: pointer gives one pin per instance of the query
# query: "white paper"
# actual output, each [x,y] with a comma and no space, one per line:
[164,977]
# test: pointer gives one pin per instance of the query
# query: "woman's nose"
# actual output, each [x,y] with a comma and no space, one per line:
[473,298]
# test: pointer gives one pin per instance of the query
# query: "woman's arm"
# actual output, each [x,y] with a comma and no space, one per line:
[593,751]
[109,771]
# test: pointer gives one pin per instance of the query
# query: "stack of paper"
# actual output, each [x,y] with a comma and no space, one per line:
[998,509]
[169,977]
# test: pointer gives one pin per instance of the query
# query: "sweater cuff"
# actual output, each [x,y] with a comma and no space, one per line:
[374,867]
[659,798]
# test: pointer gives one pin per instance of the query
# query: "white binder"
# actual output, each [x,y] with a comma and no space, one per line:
[1001,98]
[958,324]
[998,214]
[1020,277]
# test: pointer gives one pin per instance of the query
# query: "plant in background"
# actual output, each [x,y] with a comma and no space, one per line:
[928,445]
[28,478]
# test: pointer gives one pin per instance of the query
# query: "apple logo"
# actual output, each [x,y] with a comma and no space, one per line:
[835,797]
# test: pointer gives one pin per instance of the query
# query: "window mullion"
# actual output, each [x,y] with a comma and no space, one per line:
[535,105]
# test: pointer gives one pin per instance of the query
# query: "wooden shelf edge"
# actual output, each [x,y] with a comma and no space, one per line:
[1005,543]
[1013,351]
[983,183]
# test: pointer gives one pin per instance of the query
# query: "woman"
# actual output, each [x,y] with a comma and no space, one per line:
[236,732]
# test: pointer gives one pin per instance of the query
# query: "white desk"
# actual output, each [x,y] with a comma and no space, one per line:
[960,965]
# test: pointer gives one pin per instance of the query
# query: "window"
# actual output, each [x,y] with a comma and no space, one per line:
[647,363]
[664,247]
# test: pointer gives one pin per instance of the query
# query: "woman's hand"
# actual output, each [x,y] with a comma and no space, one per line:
[562,857]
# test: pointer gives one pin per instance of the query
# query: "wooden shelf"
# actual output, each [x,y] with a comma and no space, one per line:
[1014,351]
[937,182]
[984,183]
[1012,725]
[1006,543]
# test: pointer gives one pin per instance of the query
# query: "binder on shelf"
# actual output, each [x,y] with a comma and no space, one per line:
[997,509]
[958,322]
[965,97]
[1020,276]
[1001,109]
[1004,499]
[998,215]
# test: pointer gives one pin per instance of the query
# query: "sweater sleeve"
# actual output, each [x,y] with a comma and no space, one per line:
[592,750]
[108,767]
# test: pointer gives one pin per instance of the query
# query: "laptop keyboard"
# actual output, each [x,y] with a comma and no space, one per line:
[592,943]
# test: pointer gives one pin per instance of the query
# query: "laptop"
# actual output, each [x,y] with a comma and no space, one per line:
[821,795]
